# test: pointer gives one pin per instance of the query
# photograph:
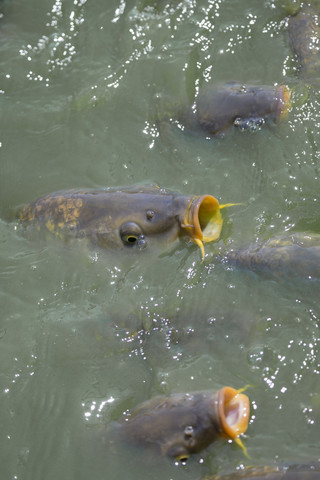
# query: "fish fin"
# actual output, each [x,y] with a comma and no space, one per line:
[243,448]
[200,245]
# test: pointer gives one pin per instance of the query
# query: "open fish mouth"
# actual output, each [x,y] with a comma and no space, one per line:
[284,102]
[234,413]
[203,221]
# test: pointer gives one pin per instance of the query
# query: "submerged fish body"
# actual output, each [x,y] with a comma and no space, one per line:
[292,472]
[182,424]
[134,217]
[217,109]
[304,34]
[296,255]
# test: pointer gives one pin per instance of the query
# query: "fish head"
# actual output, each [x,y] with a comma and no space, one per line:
[145,219]
[155,220]
[210,415]
[180,425]
[242,106]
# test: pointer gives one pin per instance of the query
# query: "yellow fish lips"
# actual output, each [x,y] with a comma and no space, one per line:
[234,413]
[202,220]
[284,102]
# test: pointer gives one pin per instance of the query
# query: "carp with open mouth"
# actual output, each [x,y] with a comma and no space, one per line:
[181,424]
[134,217]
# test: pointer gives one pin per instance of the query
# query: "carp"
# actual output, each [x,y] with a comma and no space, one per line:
[293,255]
[181,424]
[291,472]
[304,34]
[131,217]
[217,109]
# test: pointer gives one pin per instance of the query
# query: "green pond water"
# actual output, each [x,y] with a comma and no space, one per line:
[85,334]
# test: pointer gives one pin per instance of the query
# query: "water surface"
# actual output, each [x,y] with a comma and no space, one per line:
[86,334]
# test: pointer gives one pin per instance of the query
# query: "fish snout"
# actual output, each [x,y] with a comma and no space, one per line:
[234,411]
[234,414]
[202,220]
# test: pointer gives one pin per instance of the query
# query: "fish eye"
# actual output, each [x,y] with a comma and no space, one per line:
[183,459]
[130,238]
[131,234]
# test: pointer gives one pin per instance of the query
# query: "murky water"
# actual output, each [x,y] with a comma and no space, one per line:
[85,334]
